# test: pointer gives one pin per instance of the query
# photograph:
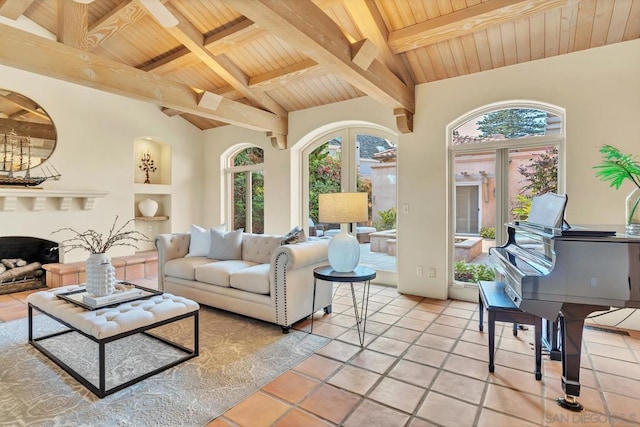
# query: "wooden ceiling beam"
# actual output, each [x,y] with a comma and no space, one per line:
[119,18]
[310,31]
[236,35]
[72,23]
[179,59]
[277,78]
[467,21]
[218,43]
[193,40]
[29,52]
[12,9]
[371,25]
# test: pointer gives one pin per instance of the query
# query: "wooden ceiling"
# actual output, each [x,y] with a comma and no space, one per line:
[251,62]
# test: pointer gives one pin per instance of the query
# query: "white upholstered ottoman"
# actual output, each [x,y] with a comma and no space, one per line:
[105,325]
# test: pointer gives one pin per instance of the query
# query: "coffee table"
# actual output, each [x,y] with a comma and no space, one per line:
[108,324]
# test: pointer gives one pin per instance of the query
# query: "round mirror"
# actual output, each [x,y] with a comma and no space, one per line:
[27,139]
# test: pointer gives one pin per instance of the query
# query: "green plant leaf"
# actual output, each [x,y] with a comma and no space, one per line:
[617,167]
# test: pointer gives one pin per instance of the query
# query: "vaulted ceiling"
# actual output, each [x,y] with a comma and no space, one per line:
[251,62]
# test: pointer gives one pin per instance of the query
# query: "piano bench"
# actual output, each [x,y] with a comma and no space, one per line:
[501,308]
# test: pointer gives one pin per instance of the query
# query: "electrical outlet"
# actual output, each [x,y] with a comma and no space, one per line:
[419,270]
[432,272]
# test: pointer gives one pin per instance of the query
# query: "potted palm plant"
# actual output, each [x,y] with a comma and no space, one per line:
[101,277]
[617,168]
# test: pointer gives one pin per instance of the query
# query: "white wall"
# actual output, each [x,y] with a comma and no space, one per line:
[96,131]
[599,89]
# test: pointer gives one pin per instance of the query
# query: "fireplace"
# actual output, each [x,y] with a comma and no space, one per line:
[21,259]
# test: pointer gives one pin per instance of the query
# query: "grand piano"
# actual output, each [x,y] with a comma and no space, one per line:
[560,272]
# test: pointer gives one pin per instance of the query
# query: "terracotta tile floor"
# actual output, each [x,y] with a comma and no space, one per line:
[425,364]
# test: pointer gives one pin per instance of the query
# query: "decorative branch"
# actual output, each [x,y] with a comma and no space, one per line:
[147,165]
[95,243]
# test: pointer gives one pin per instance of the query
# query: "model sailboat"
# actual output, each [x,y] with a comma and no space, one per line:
[15,158]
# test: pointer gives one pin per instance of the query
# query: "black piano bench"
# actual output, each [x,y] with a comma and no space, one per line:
[502,309]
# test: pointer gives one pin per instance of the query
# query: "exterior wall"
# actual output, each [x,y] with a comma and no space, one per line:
[383,193]
[480,170]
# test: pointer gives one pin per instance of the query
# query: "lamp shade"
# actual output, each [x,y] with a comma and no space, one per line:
[343,207]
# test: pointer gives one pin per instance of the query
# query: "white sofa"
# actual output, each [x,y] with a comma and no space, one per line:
[272,282]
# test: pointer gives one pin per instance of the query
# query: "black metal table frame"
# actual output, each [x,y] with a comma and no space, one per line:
[358,275]
[101,391]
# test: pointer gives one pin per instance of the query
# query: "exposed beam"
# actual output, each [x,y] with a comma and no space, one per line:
[236,35]
[193,40]
[469,20]
[28,52]
[209,100]
[22,128]
[218,43]
[12,9]
[305,27]
[284,75]
[369,21]
[119,18]
[170,111]
[363,53]
[178,59]
[72,23]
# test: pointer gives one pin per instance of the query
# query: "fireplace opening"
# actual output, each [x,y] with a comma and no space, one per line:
[21,261]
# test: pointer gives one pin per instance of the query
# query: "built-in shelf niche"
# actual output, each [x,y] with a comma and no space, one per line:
[160,153]
[157,224]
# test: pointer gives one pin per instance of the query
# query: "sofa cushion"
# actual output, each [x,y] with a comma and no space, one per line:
[217,273]
[200,240]
[259,247]
[226,245]
[253,279]
[184,268]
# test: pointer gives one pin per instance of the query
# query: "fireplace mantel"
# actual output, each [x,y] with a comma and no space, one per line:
[9,198]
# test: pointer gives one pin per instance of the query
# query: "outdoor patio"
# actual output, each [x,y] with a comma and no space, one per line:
[377,260]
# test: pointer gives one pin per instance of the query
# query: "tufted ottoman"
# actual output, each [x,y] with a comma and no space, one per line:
[105,325]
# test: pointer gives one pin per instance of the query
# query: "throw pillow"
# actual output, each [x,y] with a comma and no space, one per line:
[296,235]
[226,245]
[200,242]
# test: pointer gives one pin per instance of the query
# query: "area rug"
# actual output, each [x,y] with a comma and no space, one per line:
[238,355]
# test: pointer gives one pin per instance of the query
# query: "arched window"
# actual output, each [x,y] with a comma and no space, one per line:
[360,159]
[245,189]
[501,156]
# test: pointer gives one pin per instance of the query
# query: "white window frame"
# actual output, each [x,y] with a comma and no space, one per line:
[501,149]
[229,171]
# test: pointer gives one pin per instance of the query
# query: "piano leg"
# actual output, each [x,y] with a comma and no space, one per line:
[571,325]
[550,339]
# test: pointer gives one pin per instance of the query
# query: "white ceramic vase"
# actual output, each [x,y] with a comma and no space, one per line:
[148,207]
[101,275]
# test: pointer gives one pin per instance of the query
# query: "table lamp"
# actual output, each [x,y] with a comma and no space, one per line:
[343,208]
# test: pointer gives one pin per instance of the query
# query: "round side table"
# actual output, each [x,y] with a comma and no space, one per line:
[359,274]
